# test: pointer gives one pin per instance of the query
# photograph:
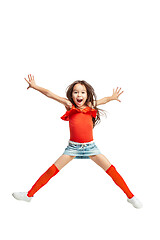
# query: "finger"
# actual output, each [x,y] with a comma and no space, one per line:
[26,80]
[120,93]
[119,90]
[30,78]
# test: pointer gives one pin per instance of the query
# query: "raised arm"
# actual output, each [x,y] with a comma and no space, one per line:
[47,92]
[115,96]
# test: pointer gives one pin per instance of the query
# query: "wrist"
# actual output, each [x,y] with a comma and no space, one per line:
[34,86]
[108,99]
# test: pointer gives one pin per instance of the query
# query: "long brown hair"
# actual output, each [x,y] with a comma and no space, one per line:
[91,98]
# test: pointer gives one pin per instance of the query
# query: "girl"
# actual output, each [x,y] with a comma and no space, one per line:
[82,114]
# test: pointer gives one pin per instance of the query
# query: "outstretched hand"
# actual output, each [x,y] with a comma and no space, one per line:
[30,81]
[116,94]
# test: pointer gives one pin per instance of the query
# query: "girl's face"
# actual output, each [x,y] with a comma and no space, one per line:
[79,94]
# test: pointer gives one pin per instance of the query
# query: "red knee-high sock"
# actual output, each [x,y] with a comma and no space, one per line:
[119,181]
[52,171]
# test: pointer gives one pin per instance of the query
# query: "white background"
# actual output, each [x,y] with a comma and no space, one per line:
[109,44]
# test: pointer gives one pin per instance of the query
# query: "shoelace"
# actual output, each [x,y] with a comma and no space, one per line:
[83,145]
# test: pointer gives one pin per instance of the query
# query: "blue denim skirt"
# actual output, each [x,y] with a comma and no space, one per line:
[81,150]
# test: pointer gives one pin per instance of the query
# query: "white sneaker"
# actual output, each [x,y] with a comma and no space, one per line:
[22,196]
[135,202]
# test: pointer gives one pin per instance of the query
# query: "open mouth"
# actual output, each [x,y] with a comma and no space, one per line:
[79,100]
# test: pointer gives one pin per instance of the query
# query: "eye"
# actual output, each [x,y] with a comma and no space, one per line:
[83,92]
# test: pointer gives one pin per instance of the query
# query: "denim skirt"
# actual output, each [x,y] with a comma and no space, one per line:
[81,150]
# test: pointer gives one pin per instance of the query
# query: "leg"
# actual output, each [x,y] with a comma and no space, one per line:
[62,161]
[52,171]
[103,162]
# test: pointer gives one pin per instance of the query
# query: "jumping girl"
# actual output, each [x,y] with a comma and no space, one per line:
[82,114]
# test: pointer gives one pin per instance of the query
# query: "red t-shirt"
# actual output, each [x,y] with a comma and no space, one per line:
[80,124]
